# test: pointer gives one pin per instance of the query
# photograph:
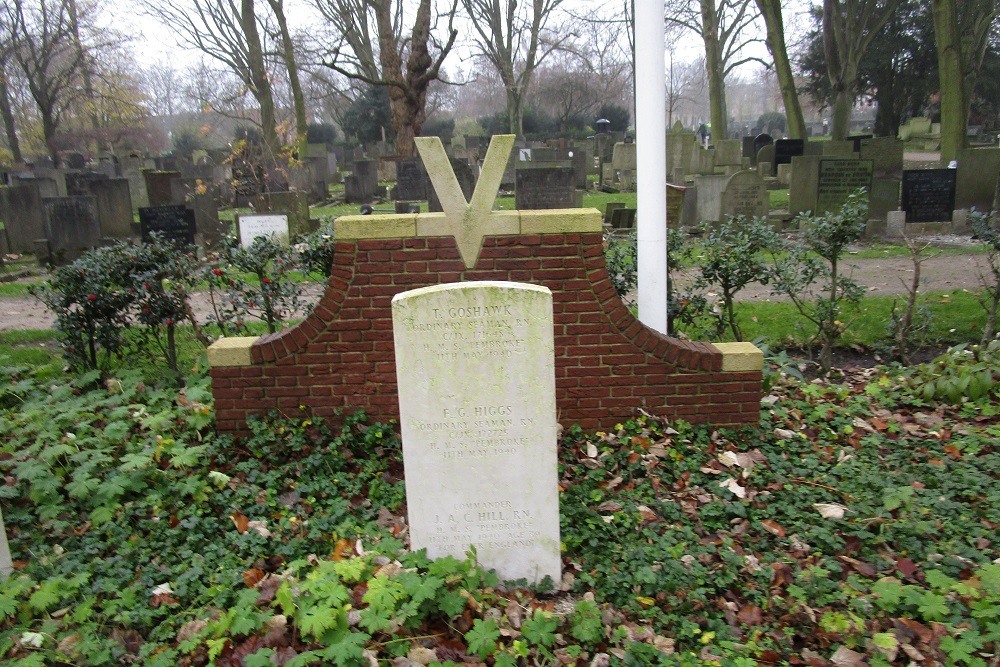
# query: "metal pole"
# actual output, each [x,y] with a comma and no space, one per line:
[651,156]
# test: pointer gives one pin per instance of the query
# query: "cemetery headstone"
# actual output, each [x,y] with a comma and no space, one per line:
[114,207]
[886,154]
[293,204]
[271,225]
[158,188]
[838,179]
[361,185]
[709,190]
[785,150]
[475,369]
[766,154]
[747,149]
[858,140]
[928,194]
[71,227]
[759,142]
[548,187]
[175,223]
[745,195]
[23,216]
[623,218]
[411,180]
[976,181]
[837,148]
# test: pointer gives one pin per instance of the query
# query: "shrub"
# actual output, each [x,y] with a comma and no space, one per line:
[733,256]
[812,268]
[990,298]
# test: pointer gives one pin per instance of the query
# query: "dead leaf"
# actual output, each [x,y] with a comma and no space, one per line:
[609,506]
[253,576]
[260,527]
[750,614]
[906,567]
[773,527]
[845,657]
[241,521]
[734,486]
[784,433]
[591,450]
[830,510]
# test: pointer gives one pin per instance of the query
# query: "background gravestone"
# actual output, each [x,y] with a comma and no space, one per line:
[928,195]
[114,207]
[411,180]
[785,150]
[545,188]
[745,194]
[475,366]
[158,189]
[175,223]
[976,181]
[838,179]
[23,216]
[272,225]
[362,184]
[71,227]
[294,204]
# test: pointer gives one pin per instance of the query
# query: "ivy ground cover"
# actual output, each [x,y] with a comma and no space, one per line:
[857,525]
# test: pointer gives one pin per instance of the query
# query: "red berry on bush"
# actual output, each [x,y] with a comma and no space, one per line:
[91,297]
[267,281]
[217,272]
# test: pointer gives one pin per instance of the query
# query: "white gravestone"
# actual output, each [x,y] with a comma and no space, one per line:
[272,225]
[475,363]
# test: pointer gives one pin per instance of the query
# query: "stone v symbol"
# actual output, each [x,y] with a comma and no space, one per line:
[468,221]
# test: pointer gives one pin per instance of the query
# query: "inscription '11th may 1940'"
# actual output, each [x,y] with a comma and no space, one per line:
[475,368]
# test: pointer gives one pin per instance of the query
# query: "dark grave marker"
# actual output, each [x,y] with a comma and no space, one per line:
[928,194]
[158,188]
[785,150]
[858,139]
[411,180]
[71,227]
[175,223]
[623,218]
[545,188]
[23,215]
[838,179]
[747,150]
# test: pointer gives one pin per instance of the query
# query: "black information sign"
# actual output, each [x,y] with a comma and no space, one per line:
[173,223]
[928,195]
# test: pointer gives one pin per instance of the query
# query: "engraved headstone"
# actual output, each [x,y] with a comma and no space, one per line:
[759,142]
[548,187]
[475,367]
[745,195]
[928,195]
[23,216]
[411,180]
[838,179]
[175,223]
[271,225]
[158,189]
[71,227]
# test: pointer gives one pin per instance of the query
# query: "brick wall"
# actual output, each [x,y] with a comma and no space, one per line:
[607,363]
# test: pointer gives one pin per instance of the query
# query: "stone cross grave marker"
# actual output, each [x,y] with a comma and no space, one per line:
[475,364]
[271,225]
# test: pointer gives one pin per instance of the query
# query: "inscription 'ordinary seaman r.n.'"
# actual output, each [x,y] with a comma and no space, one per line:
[476,372]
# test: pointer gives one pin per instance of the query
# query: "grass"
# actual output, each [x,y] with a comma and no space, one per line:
[779,199]
[38,349]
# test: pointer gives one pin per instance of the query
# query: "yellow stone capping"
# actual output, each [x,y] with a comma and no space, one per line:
[740,357]
[433,224]
[233,351]
[390,226]
[561,221]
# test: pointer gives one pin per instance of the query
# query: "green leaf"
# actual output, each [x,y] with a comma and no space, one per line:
[350,570]
[482,638]
[939,580]
[47,595]
[586,625]
[349,650]
[889,592]
[317,619]
[540,629]
[8,606]
[933,606]
[261,658]
[383,592]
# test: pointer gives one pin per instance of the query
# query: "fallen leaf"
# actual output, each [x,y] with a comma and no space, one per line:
[784,433]
[591,450]
[260,527]
[252,576]
[609,506]
[751,614]
[734,486]
[241,521]
[906,567]
[830,510]
[773,527]
[845,657]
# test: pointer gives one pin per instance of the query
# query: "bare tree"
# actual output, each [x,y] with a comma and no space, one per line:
[292,67]
[6,103]
[41,40]
[771,11]
[515,39]
[227,31]
[405,65]
[727,29]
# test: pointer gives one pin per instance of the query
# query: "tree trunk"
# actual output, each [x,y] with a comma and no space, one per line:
[288,55]
[954,105]
[713,65]
[8,120]
[260,84]
[86,76]
[771,11]
[515,112]
[843,104]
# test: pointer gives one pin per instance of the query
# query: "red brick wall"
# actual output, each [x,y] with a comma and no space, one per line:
[607,363]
